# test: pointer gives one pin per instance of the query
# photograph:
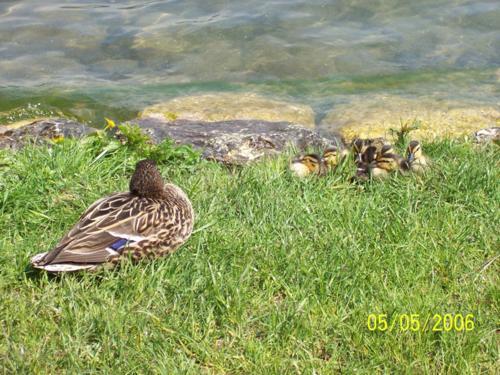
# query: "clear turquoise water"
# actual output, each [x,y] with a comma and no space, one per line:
[89,59]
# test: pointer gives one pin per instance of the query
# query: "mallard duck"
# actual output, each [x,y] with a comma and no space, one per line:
[150,220]
[332,156]
[415,159]
[305,165]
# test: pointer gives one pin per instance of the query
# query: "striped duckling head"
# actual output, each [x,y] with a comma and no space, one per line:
[415,159]
[413,151]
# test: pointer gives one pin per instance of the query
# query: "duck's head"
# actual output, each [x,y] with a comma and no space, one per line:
[331,156]
[414,151]
[305,165]
[146,181]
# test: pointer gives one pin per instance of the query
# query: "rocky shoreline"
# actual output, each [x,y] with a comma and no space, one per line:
[240,128]
[233,142]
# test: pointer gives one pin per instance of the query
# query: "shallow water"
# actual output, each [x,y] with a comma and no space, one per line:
[91,59]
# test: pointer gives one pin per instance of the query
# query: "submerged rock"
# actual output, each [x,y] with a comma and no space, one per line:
[15,136]
[376,116]
[230,106]
[235,142]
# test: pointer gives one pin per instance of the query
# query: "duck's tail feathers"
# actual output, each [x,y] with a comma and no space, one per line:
[60,267]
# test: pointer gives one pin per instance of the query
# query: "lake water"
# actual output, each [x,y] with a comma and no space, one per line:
[90,59]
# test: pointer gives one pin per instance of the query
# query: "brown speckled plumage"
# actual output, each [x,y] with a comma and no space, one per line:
[151,220]
[333,156]
[377,163]
[309,164]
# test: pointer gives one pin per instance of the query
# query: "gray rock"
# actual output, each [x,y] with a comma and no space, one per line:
[230,142]
[236,141]
[41,131]
[487,135]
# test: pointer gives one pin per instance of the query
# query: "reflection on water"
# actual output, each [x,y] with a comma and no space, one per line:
[120,55]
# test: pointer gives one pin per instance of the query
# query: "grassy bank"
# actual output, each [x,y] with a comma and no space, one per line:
[279,277]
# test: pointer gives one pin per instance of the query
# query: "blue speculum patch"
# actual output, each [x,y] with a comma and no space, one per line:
[117,245]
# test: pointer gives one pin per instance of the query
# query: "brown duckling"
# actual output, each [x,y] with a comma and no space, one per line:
[308,164]
[380,164]
[333,156]
[415,159]
[377,164]
[359,146]
[388,160]
[362,172]
[366,167]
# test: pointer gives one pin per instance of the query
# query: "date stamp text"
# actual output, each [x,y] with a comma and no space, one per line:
[420,323]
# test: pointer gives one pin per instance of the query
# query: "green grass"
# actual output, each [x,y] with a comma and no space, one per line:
[279,277]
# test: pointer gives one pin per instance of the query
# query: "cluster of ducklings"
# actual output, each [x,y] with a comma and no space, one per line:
[374,158]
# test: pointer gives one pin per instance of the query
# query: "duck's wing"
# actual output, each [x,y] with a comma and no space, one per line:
[105,228]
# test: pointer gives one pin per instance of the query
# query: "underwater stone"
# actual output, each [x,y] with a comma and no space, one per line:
[230,106]
[375,117]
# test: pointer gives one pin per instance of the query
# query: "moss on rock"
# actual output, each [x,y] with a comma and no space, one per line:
[231,106]
[376,116]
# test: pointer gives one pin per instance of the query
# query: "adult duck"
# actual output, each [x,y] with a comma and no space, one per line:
[151,220]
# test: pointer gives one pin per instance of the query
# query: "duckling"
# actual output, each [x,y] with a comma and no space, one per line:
[366,168]
[362,172]
[388,160]
[415,159]
[359,146]
[152,219]
[332,156]
[305,165]
[379,165]
[374,164]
